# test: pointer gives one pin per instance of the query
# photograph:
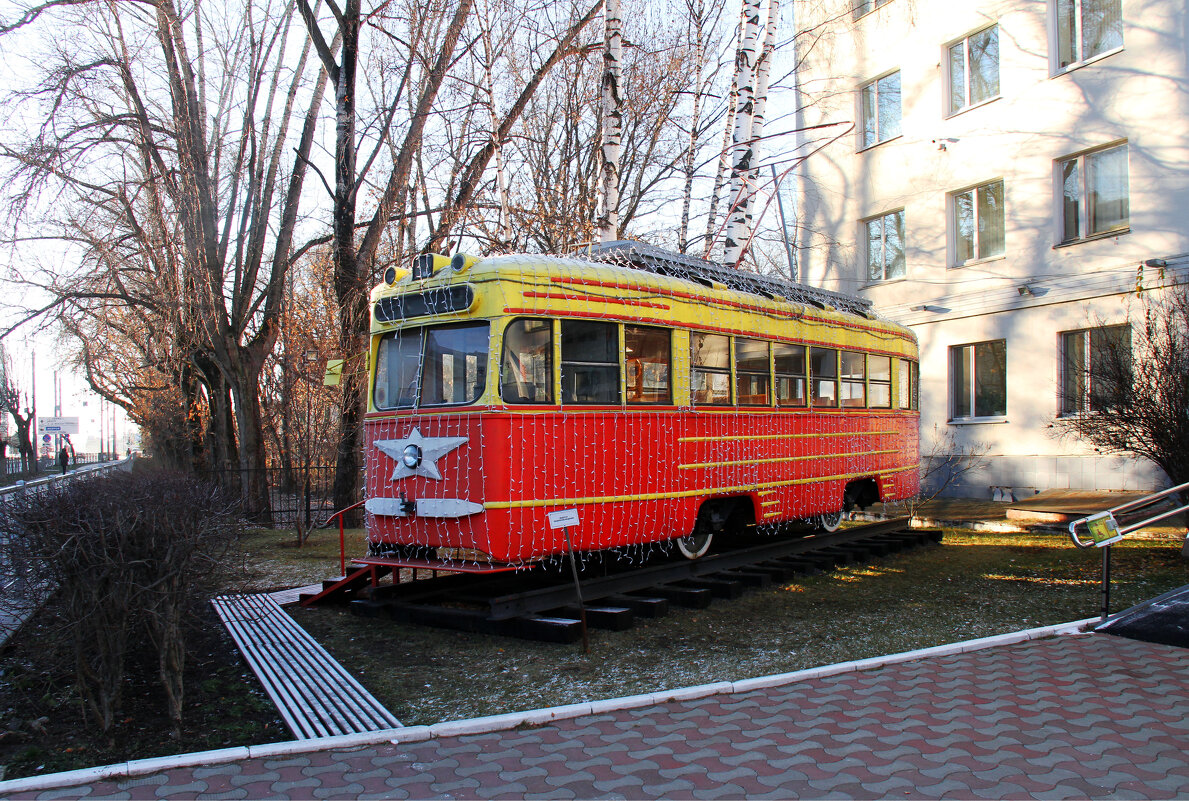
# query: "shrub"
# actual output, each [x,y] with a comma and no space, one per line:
[128,556]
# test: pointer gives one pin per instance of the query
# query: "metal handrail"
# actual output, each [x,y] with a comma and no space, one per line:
[342,534]
[1136,504]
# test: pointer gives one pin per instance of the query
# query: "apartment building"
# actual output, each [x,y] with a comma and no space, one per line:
[999,175]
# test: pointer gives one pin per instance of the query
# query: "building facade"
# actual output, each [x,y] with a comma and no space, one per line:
[1002,176]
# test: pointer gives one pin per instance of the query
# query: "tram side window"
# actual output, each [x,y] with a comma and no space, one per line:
[854,379]
[879,382]
[751,372]
[710,369]
[526,365]
[908,385]
[789,361]
[647,354]
[823,376]
[398,369]
[589,362]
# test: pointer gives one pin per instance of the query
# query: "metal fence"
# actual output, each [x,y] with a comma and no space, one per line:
[300,494]
[12,464]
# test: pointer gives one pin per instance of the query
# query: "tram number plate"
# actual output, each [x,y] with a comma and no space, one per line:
[563,519]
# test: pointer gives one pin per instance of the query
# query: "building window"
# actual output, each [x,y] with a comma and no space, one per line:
[1087,28]
[885,247]
[1094,193]
[974,69]
[1095,368]
[978,379]
[861,7]
[977,222]
[880,109]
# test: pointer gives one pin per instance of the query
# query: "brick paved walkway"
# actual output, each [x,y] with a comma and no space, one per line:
[1068,717]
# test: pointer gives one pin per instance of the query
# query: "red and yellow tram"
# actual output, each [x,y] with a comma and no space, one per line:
[662,397]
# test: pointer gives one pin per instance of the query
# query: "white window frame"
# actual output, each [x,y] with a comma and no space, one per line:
[862,115]
[861,8]
[969,414]
[865,225]
[978,247]
[964,43]
[1084,163]
[1084,403]
[1077,57]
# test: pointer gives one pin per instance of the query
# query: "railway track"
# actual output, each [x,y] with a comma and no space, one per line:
[540,603]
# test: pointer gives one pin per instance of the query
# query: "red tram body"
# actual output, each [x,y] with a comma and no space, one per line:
[645,394]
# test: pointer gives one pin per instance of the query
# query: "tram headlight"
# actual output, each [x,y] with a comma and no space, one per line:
[411,457]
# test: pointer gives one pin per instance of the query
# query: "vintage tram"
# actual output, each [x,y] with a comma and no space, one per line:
[665,398]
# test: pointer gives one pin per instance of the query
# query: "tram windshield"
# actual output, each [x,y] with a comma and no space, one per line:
[431,366]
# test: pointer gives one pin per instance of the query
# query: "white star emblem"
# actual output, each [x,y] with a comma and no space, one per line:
[430,449]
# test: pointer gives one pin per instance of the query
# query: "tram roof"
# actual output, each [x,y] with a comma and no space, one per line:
[630,261]
[652,259]
[627,257]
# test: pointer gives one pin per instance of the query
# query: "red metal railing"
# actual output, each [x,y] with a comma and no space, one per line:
[342,534]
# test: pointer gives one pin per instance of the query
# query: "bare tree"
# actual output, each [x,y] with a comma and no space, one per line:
[12,399]
[166,134]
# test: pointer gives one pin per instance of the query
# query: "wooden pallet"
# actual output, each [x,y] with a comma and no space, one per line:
[315,695]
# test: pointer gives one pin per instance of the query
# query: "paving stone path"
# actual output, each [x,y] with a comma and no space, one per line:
[1068,717]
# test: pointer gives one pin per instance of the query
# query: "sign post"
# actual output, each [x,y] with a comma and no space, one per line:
[565,519]
[1104,531]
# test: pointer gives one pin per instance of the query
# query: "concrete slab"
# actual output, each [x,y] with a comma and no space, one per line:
[1062,506]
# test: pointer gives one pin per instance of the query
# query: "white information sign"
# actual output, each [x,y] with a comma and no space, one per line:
[563,519]
[58,425]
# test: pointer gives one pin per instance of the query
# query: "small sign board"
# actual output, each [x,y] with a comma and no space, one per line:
[58,425]
[564,518]
[334,373]
[1103,528]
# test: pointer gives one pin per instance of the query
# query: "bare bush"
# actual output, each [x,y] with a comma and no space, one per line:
[129,556]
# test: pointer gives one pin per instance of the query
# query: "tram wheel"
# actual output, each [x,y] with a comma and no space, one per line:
[830,521]
[695,544]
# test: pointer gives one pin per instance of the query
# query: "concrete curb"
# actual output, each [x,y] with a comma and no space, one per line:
[533,717]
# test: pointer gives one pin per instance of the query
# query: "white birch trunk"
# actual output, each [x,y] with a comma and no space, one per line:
[608,211]
[739,226]
[724,155]
[763,72]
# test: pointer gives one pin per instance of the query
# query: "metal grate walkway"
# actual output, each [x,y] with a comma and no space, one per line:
[315,695]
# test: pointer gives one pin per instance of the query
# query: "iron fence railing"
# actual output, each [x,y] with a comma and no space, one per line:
[298,494]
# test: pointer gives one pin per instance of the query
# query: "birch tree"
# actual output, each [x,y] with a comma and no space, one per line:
[739,212]
[612,130]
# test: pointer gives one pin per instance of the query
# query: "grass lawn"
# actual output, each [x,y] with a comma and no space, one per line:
[972,586]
